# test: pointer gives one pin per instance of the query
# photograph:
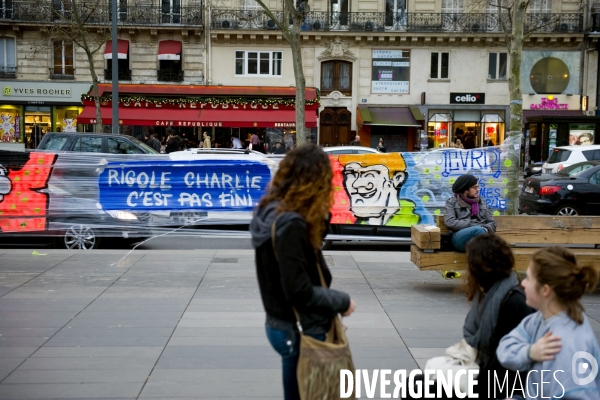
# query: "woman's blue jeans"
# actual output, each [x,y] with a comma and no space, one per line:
[287,344]
[460,238]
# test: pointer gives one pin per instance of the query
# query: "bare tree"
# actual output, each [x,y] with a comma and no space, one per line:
[511,16]
[295,14]
[72,20]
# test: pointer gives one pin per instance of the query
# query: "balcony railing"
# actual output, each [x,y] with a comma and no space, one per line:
[8,72]
[402,21]
[168,75]
[124,75]
[43,11]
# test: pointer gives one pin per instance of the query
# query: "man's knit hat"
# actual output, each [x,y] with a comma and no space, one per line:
[463,183]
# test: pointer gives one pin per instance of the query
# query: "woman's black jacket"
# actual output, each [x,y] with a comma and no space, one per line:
[292,280]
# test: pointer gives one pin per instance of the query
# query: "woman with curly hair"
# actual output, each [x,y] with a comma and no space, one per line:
[298,202]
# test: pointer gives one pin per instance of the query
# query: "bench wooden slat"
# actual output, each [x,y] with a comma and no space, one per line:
[425,238]
[549,229]
[452,260]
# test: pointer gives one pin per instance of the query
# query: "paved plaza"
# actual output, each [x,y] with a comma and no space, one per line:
[190,324]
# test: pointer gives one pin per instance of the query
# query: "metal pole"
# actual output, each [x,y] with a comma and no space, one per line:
[115,70]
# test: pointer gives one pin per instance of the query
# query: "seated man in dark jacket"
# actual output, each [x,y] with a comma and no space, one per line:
[466,214]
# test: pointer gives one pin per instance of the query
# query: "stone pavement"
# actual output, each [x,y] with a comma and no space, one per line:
[190,324]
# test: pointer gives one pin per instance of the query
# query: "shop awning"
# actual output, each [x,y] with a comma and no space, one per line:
[142,116]
[550,113]
[193,117]
[169,50]
[122,49]
[256,118]
[388,116]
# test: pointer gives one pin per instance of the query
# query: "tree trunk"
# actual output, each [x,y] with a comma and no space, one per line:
[300,89]
[515,47]
[90,57]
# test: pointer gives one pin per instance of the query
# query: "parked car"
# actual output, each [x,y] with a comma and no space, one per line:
[349,150]
[564,156]
[575,190]
[90,142]
[533,169]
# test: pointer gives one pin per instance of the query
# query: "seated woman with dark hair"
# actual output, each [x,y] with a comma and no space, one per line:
[497,307]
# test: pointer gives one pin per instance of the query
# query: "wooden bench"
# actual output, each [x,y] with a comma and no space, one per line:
[525,233]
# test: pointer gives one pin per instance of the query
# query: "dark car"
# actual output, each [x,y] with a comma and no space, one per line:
[89,142]
[575,190]
[533,169]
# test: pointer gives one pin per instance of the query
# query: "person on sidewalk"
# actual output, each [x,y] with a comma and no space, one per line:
[498,305]
[356,141]
[288,265]
[466,215]
[206,143]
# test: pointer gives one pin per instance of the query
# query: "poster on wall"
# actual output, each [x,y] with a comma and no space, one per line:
[581,134]
[390,71]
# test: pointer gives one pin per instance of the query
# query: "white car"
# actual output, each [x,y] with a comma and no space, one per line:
[564,156]
[349,150]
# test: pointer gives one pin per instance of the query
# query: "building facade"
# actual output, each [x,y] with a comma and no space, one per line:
[419,74]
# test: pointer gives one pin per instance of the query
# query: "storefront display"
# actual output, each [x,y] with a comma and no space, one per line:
[581,134]
[438,130]
[10,124]
[65,118]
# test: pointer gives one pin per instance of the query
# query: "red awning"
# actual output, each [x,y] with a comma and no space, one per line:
[122,49]
[203,118]
[169,50]
[142,116]
[256,118]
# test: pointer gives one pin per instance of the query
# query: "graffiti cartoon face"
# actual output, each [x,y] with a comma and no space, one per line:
[5,184]
[373,182]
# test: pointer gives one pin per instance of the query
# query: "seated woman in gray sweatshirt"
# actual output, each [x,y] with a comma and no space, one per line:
[556,344]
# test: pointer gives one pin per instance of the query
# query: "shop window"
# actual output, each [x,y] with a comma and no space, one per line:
[493,129]
[63,60]
[549,75]
[258,63]
[497,66]
[65,118]
[439,128]
[8,65]
[37,122]
[89,144]
[336,75]
[122,61]
[10,124]
[439,65]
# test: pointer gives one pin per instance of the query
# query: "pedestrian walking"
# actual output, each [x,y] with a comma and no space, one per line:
[356,141]
[172,142]
[289,265]
[558,337]
[236,143]
[466,214]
